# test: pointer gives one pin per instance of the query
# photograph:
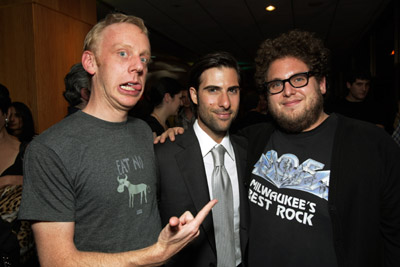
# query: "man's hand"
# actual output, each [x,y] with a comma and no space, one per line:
[180,231]
[169,133]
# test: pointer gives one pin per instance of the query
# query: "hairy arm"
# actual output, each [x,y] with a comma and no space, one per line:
[56,247]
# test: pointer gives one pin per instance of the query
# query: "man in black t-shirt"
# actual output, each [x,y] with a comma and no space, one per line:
[358,103]
[324,189]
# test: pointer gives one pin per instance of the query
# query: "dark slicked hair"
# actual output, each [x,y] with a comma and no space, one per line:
[298,44]
[360,74]
[76,79]
[212,60]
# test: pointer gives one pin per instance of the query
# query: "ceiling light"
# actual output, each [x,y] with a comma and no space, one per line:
[270,8]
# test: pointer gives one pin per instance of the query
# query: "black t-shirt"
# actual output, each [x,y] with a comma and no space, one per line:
[155,126]
[289,190]
[367,110]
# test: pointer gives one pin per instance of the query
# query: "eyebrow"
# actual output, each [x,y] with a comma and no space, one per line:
[218,87]
[117,46]
[211,87]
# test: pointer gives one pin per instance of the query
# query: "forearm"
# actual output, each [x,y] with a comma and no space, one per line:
[150,256]
[10,180]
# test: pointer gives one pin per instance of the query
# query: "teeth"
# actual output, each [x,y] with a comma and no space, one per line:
[125,87]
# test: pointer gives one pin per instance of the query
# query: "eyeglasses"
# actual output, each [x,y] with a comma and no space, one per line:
[297,81]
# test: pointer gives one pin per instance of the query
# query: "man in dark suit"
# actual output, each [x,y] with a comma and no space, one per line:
[186,165]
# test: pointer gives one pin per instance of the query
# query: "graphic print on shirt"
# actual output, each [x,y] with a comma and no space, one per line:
[141,189]
[286,172]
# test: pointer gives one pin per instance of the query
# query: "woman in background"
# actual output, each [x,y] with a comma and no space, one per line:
[165,96]
[16,237]
[20,122]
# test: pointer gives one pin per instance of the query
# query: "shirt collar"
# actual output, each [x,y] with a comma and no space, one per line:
[207,143]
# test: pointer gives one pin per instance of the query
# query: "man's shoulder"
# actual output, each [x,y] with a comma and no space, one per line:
[351,124]
[358,131]
[62,128]
[188,138]
[255,130]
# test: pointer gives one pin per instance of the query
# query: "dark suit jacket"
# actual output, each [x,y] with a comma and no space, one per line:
[183,186]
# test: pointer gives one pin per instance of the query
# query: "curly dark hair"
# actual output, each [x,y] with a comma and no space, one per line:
[299,44]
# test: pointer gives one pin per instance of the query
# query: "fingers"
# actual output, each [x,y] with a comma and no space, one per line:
[178,130]
[186,218]
[171,136]
[157,140]
[174,221]
[204,211]
[174,224]
[169,133]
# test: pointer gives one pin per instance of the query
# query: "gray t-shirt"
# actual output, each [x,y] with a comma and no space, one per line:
[98,174]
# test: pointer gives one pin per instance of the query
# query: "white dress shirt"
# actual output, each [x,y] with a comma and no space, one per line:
[206,145]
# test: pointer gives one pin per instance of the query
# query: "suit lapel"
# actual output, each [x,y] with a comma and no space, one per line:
[191,165]
[239,146]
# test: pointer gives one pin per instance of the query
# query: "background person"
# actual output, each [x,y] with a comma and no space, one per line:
[358,103]
[77,88]
[16,237]
[186,115]
[20,122]
[164,94]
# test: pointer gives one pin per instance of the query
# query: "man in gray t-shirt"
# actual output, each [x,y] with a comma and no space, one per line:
[89,181]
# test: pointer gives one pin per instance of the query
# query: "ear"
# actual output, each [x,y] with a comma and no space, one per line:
[167,97]
[322,85]
[193,95]
[89,62]
[348,85]
[85,94]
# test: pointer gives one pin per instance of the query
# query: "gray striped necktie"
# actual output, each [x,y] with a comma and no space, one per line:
[222,213]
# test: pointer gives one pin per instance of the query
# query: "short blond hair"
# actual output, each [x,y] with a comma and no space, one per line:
[93,35]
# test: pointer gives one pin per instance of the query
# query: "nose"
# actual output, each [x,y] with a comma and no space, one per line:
[288,90]
[224,100]
[136,65]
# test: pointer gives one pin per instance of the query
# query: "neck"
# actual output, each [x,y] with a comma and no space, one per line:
[160,117]
[5,136]
[104,111]
[320,120]
[350,98]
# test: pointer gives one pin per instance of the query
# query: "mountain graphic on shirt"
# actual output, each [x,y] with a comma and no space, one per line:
[286,172]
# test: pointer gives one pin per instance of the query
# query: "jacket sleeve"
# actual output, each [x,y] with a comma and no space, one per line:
[390,204]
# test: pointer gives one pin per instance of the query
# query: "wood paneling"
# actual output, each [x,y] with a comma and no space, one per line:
[39,42]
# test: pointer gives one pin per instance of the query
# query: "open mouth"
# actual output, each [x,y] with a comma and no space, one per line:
[131,86]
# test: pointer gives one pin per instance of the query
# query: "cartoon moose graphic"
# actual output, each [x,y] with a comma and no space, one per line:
[133,189]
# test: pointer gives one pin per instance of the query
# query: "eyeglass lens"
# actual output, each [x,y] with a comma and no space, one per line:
[297,81]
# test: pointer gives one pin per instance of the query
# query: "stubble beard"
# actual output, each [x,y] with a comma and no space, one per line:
[212,123]
[296,123]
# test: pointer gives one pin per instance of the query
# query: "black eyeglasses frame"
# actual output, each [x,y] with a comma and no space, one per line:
[308,75]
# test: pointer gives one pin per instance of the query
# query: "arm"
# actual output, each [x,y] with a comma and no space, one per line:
[390,206]
[10,180]
[56,246]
